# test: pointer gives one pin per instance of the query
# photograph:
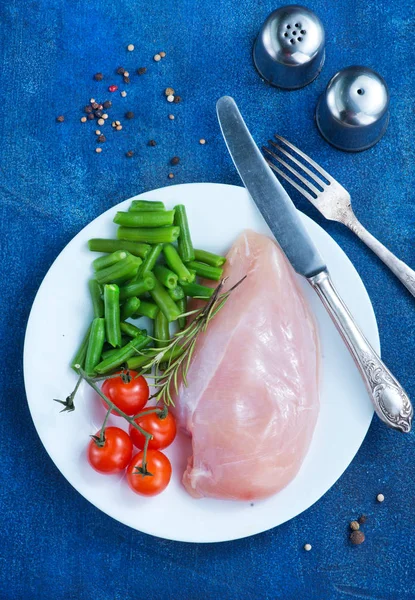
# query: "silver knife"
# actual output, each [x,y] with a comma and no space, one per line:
[389,399]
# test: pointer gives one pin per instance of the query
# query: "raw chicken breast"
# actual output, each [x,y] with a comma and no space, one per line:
[252,401]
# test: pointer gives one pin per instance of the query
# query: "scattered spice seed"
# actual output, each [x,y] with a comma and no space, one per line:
[362,519]
[157,57]
[141,70]
[113,88]
[113,124]
[98,113]
[98,77]
[120,71]
[129,115]
[202,141]
[101,122]
[117,122]
[171,117]
[107,104]
[127,79]
[170,98]
[169,91]
[357,537]
[129,154]
[101,139]
[83,119]
[130,47]
[92,100]
[162,54]
[175,160]
[177,99]
[94,105]
[171,175]
[123,93]
[380,497]
[119,127]
[100,106]
[88,108]
[126,74]
[152,143]
[97,132]
[60,119]
[354,526]
[307,547]
[105,116]
[98,150]
[91,117]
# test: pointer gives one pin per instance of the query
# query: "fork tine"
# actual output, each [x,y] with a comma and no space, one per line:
[307,158]
[303,180]
[297,162]
[293,183]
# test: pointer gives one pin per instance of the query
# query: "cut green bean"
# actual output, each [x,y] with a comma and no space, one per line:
[123,354]
[175,263]
[120,271]
[130,306]
[145,205]
[109,259]
[157,235]
[138,288]
[79,358]
[165,276]
[161,330]
[157,218]
[149,262]
[96,297]
[130,329]
[112,314]
[206,271]
[108,353]
[195,290]
[103,245]
[176,293]
[95,345]
[182,306]
[147,309]
[214,260]
[185,241]
[164,302]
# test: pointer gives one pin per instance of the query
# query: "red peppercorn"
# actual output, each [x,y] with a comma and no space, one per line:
[113,88]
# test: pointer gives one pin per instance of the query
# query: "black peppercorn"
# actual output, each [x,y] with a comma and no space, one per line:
[129,154]
[120,71]
[98,113]
[60,119]
[107,104]
[98,77]
[357,537]
[88,108]
[129,115]
[91,116]
[175,160]
[101,138]
[141,70]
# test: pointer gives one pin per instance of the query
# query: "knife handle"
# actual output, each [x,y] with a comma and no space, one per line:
[389,399]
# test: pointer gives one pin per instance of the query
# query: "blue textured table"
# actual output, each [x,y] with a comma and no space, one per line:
[54,544]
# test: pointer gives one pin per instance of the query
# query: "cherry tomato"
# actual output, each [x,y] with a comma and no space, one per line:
[163,430]
[114,455]
[129,397]
[149,485]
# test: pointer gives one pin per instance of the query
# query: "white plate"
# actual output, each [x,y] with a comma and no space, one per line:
[58,320]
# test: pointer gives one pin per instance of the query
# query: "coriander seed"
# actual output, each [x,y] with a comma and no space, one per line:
[354,526]
[169,91]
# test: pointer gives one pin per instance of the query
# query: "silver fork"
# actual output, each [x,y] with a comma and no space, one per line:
[333,201]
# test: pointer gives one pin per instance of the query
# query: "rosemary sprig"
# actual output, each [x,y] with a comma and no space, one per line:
[166,381]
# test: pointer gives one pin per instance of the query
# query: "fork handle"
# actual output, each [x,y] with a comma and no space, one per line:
[389,399]
[404,273]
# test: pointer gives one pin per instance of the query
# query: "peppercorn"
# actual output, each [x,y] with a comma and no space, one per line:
[101,139]
[97,132]
[98,150]
[92,100]
[120,71]
[177,99]
[101,122]
[130,47]
[91,116]
[129,154]
[380,497]
[98,77]
[127,79]
[171,175]
[202,142]
[119,127]
[83,119]
[354,526]
[95,105]
[141,70]
[169,91]
[162,54]
[105,116]
[157,57]
[107,104]
[88,108]
[170,98]
[152,143]
[357,537]
[60,119]
[98,113]
[123,94]
[171,117]
[307,547]
[362,519]
[129,115]
[175,160]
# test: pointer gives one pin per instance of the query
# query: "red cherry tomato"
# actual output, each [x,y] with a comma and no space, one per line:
[149,485]
[129,397]
[163,430]
[114,455]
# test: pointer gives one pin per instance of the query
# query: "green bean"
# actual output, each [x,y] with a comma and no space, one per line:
[103,245]
[123,354]
[120,271]
[130,306]
[163,301]
[165,276]
[157,218]
[96,297]
[195,290]
[138,288]
[108,259]
[149,262]
[147,309]
[175,263]
[214,260]
[176,293]
[161,330]
[108,353]
[130,329]
[112,314]
[79,358]
[157,235]
[182,306]
[206,271]
[146,205]
[95,345]
[185,241]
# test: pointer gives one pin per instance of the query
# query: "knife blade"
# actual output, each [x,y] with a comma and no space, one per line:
[266,191]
